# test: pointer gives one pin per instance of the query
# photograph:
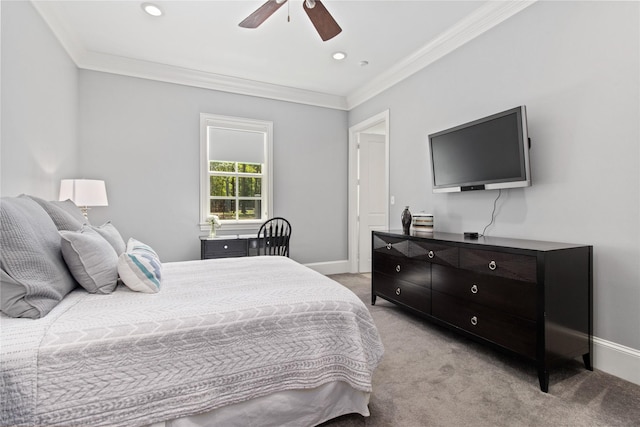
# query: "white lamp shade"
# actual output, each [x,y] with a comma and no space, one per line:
[84,192]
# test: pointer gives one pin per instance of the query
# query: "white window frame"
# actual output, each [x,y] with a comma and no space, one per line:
[240,124]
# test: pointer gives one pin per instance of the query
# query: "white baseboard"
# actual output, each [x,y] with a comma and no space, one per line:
[609,357]
[616,359]
[331,267]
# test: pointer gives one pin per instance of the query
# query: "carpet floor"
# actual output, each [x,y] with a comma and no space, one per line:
[430,376]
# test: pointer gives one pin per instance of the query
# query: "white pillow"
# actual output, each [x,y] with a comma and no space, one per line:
[91,259]
[140,268]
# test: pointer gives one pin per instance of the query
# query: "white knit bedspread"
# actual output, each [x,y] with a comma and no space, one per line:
[218,332]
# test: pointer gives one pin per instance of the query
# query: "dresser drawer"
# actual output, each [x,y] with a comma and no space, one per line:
[416,297]
[434,253]
[500,264]
[390,245]
[508,331]
[402,268]
[224,248]
[506,295]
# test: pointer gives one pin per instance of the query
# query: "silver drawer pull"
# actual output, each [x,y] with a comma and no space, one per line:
[474,289]
[226,247]
[389,246]
[398,268]
[398,291]
[492,265]
[474,320]
[430,254]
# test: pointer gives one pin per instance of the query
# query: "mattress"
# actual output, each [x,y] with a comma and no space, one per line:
[218,333]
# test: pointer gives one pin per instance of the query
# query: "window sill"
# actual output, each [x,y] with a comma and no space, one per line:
[231,228]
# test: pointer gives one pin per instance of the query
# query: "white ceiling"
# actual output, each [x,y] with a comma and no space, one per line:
[199,43]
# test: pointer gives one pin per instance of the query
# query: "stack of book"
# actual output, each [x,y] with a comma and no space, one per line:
[422,224]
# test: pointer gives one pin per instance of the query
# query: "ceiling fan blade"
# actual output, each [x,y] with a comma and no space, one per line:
[261,14]
[320,17]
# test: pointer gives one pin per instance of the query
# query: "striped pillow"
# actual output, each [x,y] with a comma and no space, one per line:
[140,268]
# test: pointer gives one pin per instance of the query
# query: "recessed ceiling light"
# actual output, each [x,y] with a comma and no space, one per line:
[152,9]
[339,56]
[364,63]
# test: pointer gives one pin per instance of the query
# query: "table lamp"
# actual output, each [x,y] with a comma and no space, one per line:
[84,193]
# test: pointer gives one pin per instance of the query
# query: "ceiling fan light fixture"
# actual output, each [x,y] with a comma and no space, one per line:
[339,56]
[152,9]
[310,3]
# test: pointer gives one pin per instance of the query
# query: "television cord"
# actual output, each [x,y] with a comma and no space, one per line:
[493,217]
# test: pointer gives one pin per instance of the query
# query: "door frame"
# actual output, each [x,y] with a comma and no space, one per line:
[354,131]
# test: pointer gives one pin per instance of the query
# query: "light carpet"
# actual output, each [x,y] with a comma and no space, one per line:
[430,376]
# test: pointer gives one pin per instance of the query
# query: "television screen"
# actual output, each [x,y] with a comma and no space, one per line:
[485,154]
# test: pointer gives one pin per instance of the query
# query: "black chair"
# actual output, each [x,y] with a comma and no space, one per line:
[273,237]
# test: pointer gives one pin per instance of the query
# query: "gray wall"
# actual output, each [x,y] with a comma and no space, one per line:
[142,137]
[39,99]
[576,67]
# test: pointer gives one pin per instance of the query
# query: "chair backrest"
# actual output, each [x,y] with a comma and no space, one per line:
[273,237]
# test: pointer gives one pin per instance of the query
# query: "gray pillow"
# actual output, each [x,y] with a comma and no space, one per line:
[34,276]
[61,214]
[91,259]
[111,235]
[71,208]
[13,303]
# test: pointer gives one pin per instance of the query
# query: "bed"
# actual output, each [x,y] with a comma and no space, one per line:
[241,341]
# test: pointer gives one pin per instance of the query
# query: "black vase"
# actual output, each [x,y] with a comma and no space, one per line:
[406,220]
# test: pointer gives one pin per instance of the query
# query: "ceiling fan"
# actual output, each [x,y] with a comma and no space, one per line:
[320,17]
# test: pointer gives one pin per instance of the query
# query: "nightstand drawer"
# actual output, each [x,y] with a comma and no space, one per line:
[502,264]
[223,248]
[510,296]
[402,268]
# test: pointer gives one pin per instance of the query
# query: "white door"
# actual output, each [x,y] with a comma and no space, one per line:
[372,193]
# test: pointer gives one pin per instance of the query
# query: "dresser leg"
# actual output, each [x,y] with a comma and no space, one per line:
[543,377]
[586,358]
[373,299]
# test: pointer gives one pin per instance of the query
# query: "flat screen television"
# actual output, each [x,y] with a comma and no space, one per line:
[485,154]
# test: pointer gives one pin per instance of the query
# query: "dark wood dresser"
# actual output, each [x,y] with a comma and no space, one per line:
[527,297]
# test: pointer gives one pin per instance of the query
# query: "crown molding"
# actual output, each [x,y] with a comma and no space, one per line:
[202,79]
[481,20]
[89,60]
[476,23]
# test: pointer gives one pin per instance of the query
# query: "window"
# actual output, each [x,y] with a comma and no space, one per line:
[235,157]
